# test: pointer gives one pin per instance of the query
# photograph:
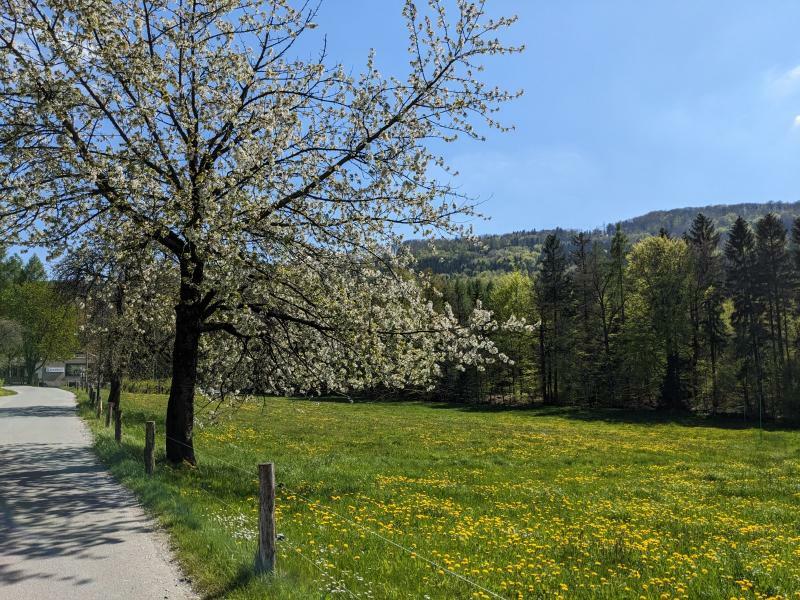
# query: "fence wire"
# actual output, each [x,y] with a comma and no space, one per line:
[315,504]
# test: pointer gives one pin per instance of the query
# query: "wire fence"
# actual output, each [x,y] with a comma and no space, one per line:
[316,505]
[412,553]
[336,584]
[339,584]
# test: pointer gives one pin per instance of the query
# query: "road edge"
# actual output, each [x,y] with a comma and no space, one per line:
[163,541]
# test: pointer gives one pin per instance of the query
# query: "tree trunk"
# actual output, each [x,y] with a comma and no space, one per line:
[607,366]
[694,317]
[671,388]
[714,397]
[542,363]
[746,407]
[114,388]
[556,357]
[759,372]
[30,370]
[556,398]
[180,407]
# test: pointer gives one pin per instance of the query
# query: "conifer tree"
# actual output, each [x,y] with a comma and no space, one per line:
[586,347]
[552,295]
[705,301]
[619,253]
[774,277]
[742,288]
[602,278]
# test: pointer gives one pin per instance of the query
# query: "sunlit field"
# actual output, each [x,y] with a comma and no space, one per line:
[413,500]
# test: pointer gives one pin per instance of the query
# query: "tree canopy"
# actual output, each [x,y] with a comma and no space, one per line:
[275,184]
[47,323]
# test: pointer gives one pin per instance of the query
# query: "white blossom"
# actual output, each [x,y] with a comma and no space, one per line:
[277,188]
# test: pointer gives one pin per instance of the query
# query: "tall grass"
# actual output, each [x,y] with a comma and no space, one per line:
[146,386]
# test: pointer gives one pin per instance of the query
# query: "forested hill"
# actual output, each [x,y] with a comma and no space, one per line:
[519,250]
[679,220]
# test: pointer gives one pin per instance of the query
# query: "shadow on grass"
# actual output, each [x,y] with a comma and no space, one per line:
[244,576]
[619,416]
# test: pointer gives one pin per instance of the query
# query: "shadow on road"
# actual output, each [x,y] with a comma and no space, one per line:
[56,501]
[37,411]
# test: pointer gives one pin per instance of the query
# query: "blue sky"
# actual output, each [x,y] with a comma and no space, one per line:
[628,107]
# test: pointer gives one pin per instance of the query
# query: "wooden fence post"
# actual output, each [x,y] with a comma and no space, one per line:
[109,409]
[149,447]
[117,423]
[265,559]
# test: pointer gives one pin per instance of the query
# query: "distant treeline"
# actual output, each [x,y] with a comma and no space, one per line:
[707,321]
[519,250]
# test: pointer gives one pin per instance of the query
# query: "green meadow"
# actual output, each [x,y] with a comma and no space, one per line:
[415,500]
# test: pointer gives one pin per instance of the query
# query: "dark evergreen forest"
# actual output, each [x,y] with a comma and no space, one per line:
[664,311]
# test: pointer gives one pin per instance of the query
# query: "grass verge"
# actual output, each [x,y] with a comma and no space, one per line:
[515,504]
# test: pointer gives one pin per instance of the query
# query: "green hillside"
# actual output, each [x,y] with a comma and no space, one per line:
[519,250]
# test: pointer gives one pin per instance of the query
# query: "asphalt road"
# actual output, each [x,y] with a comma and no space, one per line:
[67,529]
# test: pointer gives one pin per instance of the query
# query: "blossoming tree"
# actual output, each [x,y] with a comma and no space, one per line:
[278,185]
[124,294]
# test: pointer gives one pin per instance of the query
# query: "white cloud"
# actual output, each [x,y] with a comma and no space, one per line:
[797,121]
[781,84]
